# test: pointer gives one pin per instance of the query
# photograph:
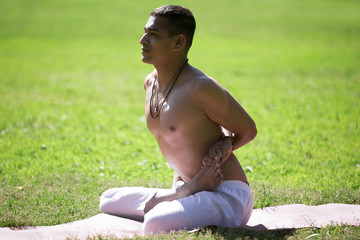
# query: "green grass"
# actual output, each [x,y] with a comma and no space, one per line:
[72,101]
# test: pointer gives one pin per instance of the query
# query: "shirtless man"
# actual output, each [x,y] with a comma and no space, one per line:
[197,125]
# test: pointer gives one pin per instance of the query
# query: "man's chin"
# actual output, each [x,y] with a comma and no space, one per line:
[146,60]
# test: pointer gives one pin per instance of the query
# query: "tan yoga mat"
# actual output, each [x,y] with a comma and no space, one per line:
[304,216]
[269,218]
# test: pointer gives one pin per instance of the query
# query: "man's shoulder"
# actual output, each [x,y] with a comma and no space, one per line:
[149,79]
[204,89]
[198,81]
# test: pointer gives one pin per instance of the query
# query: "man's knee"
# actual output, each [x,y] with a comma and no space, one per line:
[162,218]
[125,202]
[105,200]
[154,224]
[115,200]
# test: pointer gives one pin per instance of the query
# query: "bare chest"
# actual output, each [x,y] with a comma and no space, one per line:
[178,114]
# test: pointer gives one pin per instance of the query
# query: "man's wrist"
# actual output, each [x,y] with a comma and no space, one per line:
[230,139]
[186,190]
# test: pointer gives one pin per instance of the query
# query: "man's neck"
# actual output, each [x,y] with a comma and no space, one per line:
[166,72]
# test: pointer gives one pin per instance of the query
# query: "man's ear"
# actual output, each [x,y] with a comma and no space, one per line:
[180,42]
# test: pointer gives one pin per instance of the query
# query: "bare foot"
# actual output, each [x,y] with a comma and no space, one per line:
[208,178]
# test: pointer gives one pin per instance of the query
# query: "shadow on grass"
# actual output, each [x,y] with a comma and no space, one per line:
[239,233]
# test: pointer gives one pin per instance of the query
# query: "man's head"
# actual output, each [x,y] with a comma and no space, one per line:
[180,21]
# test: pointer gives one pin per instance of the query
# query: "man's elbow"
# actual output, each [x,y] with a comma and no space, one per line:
[252,131]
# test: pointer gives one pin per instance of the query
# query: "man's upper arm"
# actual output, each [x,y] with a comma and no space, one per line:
[222,108]
[148,80]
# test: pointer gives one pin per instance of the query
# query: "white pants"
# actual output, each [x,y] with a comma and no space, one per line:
[230,205]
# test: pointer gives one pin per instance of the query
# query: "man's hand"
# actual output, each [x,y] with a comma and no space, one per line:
[220,151]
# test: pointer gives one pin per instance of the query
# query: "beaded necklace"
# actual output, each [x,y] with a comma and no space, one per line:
[155,107]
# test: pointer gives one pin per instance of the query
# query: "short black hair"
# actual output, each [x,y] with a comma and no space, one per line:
[181,21]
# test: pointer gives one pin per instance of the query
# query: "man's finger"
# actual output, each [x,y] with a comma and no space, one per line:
[215,163]
[215,151]
[207,162]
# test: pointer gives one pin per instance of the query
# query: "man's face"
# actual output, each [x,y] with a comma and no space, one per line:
[156,44]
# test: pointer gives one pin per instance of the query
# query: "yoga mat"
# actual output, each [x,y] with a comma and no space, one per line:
[303,216]
[269,218]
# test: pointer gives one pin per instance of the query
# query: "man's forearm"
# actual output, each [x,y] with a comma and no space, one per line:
[185,190]
[243,137]
[207,179]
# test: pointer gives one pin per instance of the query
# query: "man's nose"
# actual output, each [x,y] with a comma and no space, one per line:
[143,39]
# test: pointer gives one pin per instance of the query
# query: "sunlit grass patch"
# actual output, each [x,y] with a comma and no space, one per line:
[72,119]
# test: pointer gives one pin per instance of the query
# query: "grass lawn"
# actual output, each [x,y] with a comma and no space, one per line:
[72,118]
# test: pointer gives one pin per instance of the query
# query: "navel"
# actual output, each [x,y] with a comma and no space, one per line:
[172,128]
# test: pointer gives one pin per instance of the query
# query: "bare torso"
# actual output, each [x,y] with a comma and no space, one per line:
[183,131]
